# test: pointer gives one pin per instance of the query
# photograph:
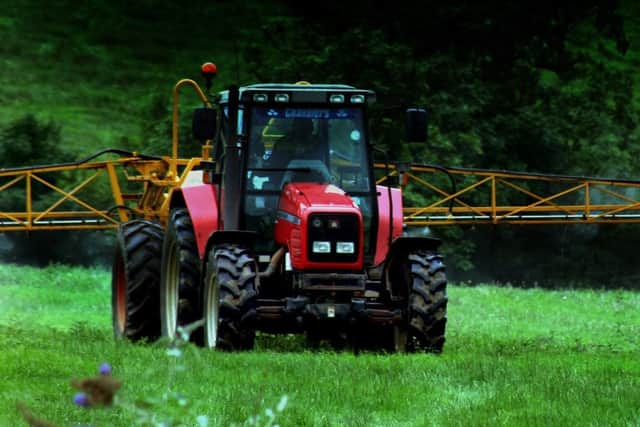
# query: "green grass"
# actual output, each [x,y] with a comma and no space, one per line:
[513,357]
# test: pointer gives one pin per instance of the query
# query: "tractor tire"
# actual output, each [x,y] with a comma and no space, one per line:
[229,304]
[427,304]
[135,279]
[180,278]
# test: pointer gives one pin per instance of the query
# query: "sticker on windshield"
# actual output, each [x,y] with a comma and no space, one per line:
[315,113]
[310,113]
[355,135]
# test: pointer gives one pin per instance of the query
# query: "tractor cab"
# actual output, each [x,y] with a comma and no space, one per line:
[304,139]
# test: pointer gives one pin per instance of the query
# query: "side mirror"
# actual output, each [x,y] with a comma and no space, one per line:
[204,123]
[416,125]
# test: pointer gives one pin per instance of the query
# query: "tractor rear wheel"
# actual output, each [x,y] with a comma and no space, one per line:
[134,281]
[427,304]
[180,283]
[229,303]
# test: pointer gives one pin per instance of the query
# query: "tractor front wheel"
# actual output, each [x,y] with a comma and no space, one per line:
[134,281]
[427,305]
[229,303]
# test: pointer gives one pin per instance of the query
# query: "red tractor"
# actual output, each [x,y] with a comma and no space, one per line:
[284,231]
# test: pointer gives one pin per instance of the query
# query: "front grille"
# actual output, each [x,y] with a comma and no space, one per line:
[320,230]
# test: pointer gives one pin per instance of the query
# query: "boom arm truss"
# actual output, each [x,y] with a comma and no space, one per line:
[504,197]
[485,196]
[75,206]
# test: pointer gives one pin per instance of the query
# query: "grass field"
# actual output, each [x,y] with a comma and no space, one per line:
[513,357]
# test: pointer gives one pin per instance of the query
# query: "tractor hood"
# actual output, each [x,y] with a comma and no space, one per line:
[298,197]
[322,215]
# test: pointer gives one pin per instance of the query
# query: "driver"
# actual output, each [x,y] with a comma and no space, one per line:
[300,143]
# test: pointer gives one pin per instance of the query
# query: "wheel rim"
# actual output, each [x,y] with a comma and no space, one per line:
[121,297]
[212,313]
[170,293]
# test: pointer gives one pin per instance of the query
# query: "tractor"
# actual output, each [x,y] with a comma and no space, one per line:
[283,229]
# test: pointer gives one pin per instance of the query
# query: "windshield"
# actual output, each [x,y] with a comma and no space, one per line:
[302,144]
[307,144]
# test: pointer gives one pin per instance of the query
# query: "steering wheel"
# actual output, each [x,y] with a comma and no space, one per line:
[316,168]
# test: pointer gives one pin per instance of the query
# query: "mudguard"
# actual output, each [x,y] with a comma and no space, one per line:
[382,242]
[202,204]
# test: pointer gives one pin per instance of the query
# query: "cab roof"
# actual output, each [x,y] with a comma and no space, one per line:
[299,93]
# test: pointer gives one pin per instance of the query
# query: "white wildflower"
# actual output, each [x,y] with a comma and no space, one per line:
[282,404]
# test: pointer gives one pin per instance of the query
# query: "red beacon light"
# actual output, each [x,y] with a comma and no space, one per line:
[208,70]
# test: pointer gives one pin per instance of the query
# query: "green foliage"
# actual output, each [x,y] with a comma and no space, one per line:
[156,132]
[513,357]
[29,141]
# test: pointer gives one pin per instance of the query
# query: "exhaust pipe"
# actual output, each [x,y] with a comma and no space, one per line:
[273,264]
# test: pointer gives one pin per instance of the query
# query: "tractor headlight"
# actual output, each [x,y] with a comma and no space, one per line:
[345,247]
[321,247]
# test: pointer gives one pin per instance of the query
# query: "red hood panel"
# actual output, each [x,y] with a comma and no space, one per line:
[312,195]
[300,200]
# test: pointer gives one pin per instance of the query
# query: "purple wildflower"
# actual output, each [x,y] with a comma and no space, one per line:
[105,369]
[81,399]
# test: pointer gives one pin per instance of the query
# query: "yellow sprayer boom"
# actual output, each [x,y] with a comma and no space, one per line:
[487,196]
[67,209]
[555,198]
